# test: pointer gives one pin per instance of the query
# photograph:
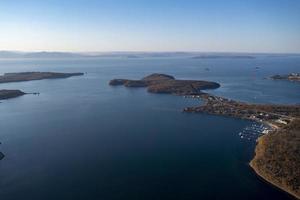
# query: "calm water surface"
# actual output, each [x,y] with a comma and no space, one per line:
[82,139]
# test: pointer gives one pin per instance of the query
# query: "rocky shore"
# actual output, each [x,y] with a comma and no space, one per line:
[162,83]
[30,76]
[277,154]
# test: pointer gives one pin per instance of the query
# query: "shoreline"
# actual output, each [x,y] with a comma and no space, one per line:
[279,159]
[271,182]
[260,175]
[279,124]
[260,147]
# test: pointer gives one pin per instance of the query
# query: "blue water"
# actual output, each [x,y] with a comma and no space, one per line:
[83,139]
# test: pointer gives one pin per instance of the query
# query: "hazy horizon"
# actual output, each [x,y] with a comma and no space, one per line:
[138,52]
[150,26]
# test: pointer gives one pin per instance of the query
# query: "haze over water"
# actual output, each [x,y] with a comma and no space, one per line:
[83,139]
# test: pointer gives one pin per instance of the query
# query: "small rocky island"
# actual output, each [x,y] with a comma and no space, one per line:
[7,94]
[290,77]
[277,154]
[162,83]
[30,76]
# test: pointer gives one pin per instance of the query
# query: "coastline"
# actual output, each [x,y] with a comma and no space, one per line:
[266,178]
[263,143]
[277,160]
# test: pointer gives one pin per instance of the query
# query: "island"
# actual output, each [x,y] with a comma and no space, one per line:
[162,83]
[290,77]
[7,94]
[30,76]
[277,153]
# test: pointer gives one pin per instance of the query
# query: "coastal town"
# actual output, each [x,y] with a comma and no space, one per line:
[272,115]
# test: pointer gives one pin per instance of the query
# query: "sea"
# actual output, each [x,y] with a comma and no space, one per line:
[81,138]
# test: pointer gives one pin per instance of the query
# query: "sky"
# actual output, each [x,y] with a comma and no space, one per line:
[150,25]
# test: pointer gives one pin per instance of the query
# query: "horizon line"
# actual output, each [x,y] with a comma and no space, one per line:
[140,51]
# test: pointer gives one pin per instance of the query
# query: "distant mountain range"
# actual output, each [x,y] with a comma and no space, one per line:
[42,54]
[133,55]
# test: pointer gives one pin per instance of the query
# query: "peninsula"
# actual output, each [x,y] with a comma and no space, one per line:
[290,77]
[277,154]
[7,94]
[30,76]
[162,83]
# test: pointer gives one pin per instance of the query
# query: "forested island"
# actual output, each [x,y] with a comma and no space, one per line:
[277,154]
[162,83]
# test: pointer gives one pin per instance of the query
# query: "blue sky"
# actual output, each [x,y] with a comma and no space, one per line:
[150,25]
